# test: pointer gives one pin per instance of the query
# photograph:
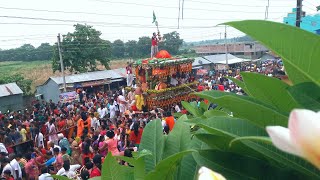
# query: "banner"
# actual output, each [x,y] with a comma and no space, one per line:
[220,67]
[68,96]
[159,71]
[202,72]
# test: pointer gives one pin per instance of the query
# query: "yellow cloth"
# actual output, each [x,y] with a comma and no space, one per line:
[23,133]
[139,101]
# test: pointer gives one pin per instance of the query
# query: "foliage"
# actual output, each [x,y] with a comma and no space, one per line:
[234,141]
[82,49]
[144,46]
[118,49]
[238,146]
[131,49]
[171,42]
[27,52]
[24,84]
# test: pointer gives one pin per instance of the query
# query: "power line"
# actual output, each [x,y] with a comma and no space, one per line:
[172,7]
[224,4]
[97,23]
[308,2]
[99,14]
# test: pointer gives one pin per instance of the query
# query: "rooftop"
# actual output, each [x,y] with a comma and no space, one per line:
[9,89]
[91,76]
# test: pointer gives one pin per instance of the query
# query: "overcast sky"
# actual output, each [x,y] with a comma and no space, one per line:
[130,19]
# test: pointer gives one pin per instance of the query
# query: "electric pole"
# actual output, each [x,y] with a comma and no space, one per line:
[267,11]
[61,64]
[298,13]
[225,44]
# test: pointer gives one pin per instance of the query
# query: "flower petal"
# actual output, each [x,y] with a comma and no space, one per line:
[280,137]
[208,174]
[304,128]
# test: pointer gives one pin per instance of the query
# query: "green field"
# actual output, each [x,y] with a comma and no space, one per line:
[40,71]
[14,67]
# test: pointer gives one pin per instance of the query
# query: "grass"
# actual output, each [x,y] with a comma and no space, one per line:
[40,71]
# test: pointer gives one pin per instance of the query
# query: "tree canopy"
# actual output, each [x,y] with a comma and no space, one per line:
[82,49]
[27,52]
[171,42]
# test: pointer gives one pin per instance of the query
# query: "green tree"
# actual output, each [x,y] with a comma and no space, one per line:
[44,52]
[144,46]
[131,49]
[24,84]
[82,49]
[171,42]
[118,49]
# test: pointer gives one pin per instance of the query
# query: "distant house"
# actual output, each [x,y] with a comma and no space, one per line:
[201,63]
[90,81]
[251,50]
[10,97]
[309,23]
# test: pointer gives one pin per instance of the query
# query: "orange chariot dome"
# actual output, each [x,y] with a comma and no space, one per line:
[163,54]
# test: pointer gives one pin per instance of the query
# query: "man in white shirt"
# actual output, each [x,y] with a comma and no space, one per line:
[5,162]
[112,109]
[3,148]
[39,138]
[17,173]
[174,81]
[52,146]
[177,108]
[103,111]
[45,175]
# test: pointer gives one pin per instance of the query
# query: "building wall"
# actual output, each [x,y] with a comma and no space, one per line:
[49,91]
[308,23]
[250,50]
[13,102]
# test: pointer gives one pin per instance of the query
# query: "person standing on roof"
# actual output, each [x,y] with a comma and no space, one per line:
[154,44]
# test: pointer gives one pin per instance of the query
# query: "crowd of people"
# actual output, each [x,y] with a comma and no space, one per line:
[72,138]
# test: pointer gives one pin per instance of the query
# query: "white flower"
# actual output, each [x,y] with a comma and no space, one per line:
[208,174]
[301,138]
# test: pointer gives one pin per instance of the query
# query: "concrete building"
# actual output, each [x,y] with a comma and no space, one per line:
[251,50]
[98,80]
[10,97]
[309,23]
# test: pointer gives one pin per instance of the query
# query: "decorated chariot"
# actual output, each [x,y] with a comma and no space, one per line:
[165,80]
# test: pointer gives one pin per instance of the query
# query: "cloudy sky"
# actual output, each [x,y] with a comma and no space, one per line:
[37,21]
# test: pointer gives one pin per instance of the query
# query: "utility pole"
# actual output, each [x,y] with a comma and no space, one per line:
[61,64]
[267,11]
[299,12]
[220,36]
[225,44]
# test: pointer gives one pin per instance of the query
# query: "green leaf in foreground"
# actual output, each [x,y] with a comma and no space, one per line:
[167,167]
[298,48]
[178,139]
[270,90]
[59,177]
[307,95]
[191,109]
[153,141]
[111,170]
[236,166]
[248,108]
